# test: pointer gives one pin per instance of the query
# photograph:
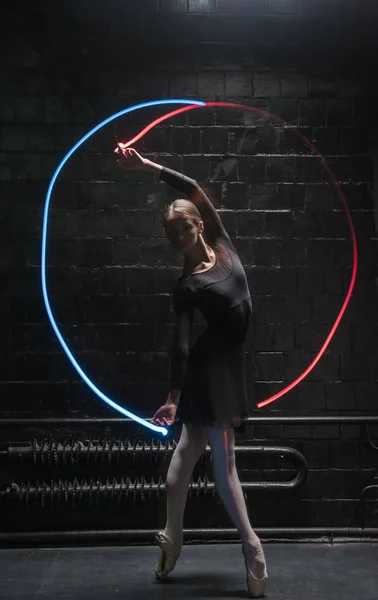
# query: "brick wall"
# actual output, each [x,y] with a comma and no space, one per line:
[110,269]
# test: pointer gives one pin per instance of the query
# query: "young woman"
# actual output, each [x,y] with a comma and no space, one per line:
[207,383]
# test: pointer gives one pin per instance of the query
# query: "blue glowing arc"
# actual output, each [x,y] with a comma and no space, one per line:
[66,349]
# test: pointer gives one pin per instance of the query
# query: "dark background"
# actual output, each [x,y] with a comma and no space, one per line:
[65,67]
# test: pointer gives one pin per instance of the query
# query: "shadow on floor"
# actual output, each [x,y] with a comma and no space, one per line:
[296,571]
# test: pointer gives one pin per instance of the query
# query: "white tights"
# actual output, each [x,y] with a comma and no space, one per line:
[191,445]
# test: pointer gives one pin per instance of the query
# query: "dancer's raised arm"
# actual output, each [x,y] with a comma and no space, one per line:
[130,159]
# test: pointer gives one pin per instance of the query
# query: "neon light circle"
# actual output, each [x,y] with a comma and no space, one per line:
[191,104]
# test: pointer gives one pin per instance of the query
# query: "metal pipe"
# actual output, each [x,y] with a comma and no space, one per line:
[74,449]
[372,445]
[250,421]
[362,501]
[110,537]
[126,487]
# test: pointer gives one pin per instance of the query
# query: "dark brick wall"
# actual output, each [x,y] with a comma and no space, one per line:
[110,270]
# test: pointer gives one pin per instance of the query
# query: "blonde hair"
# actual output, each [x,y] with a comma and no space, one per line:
[186,208]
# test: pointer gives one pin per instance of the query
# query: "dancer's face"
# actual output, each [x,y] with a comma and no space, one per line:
[182,232]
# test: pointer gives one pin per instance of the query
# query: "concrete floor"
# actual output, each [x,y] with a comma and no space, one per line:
[296,571]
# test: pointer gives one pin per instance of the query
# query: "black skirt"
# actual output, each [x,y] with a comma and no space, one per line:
[214,392]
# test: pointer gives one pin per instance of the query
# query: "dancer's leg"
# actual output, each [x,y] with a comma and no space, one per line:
[191,445]
[222,442]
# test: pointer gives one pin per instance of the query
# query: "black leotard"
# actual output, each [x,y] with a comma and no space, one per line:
[211,375]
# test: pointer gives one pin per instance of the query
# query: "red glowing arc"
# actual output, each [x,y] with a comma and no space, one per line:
[345,205]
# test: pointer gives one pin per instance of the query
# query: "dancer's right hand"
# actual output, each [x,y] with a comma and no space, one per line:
[128,158]
[165,415]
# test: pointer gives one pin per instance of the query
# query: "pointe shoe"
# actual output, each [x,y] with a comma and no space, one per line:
[168,557]
[255,585]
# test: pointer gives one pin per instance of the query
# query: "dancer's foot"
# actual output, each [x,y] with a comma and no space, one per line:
[255,567]
[170,552]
